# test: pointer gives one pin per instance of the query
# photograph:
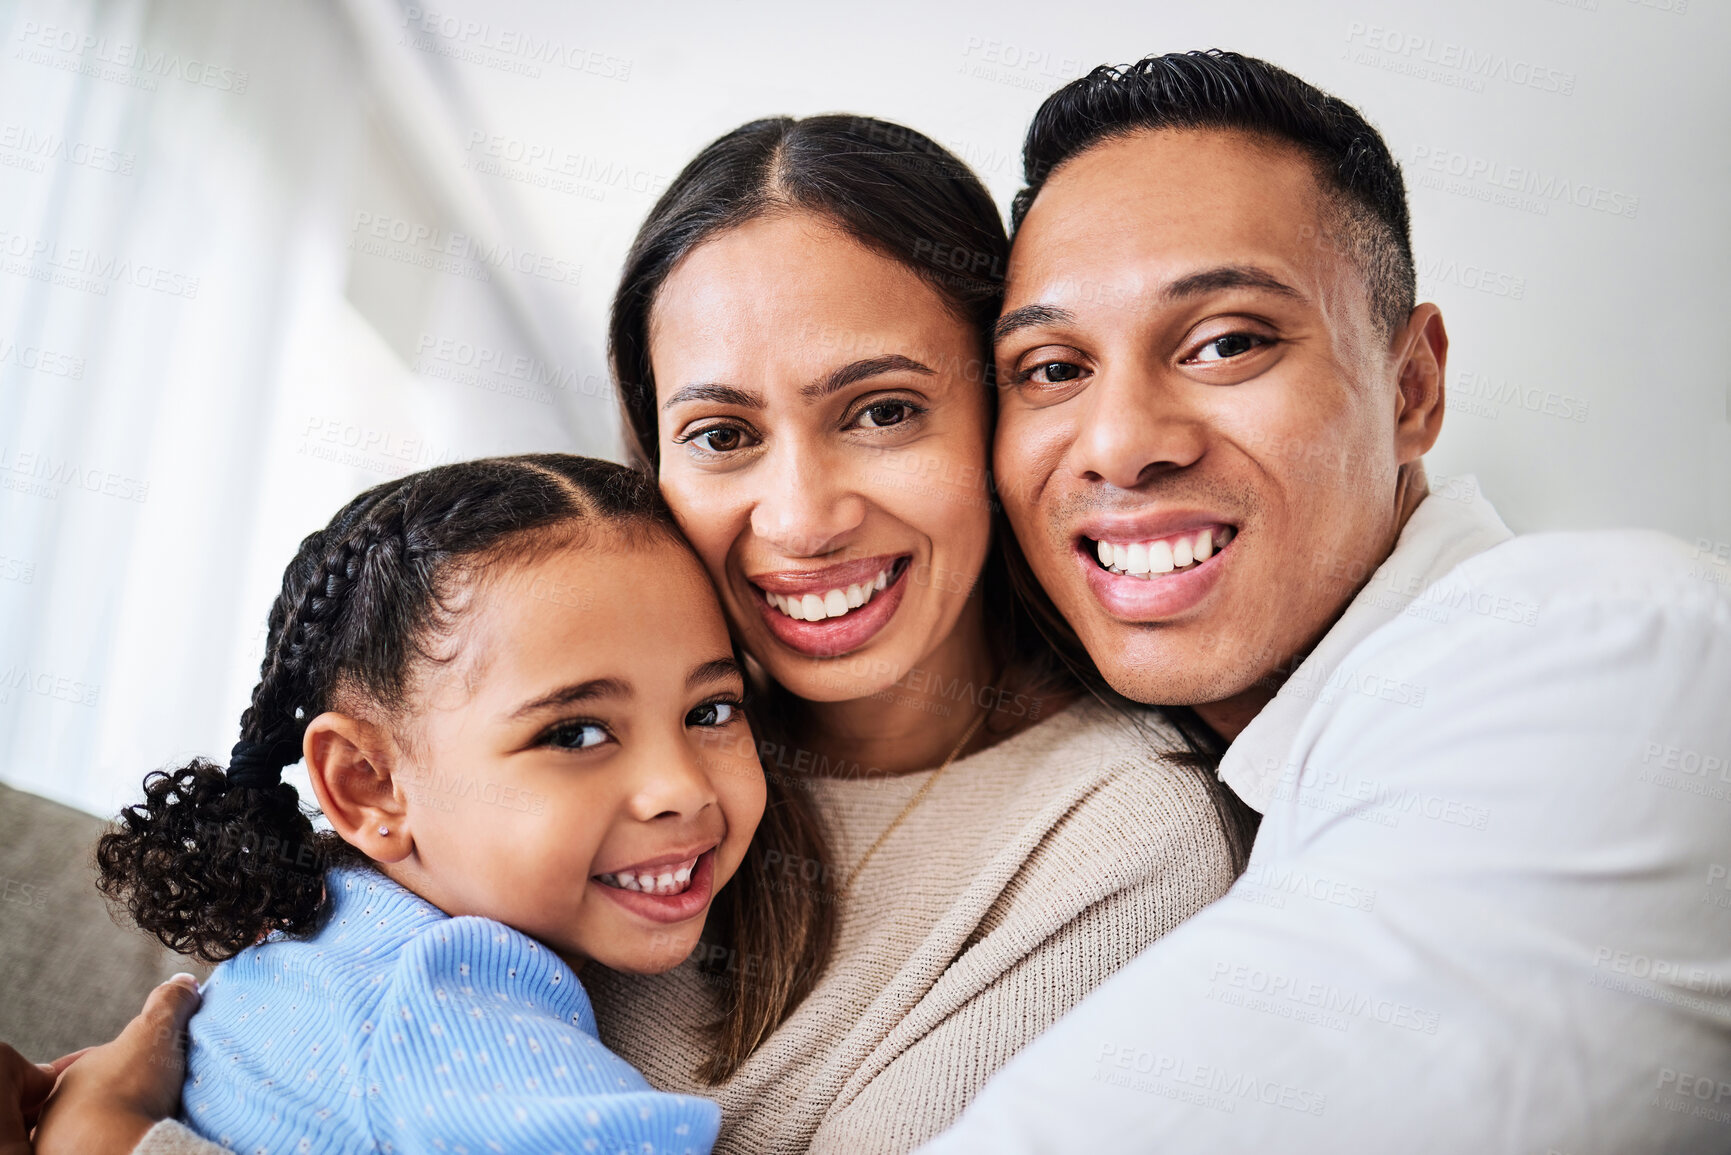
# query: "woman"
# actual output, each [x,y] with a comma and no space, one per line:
[799,339]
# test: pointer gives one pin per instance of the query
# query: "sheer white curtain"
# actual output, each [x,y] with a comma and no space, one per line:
[241,279]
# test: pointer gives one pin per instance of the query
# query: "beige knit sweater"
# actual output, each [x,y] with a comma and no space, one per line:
[1032,871]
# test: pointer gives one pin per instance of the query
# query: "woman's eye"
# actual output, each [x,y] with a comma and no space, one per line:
[884,414]
[577,735]
[719,439]
[1229,346]
[713,714]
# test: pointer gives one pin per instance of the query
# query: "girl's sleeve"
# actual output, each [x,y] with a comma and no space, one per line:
[485,1039]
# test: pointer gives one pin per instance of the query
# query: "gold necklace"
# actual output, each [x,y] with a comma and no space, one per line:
[919,796]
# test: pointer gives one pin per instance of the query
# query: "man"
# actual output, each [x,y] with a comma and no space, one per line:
[1481,913]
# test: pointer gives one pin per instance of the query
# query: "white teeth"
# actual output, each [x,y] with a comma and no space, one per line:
[830,604]
[1152,558]
[667,882]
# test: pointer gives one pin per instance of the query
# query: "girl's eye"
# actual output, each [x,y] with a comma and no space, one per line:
[577,735]
[884,414]
[718,439]
[1229,346]
[713,714]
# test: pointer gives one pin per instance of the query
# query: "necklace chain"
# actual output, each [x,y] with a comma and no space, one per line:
[919,796]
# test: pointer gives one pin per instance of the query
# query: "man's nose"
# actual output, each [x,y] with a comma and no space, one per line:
[1135,426]
[807,504]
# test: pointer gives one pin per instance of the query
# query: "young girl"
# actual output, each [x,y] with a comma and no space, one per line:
[521,714]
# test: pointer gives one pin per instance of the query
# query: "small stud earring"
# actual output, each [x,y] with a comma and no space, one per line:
[384,830]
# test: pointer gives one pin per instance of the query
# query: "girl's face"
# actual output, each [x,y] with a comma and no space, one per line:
[823,431]
[582,770]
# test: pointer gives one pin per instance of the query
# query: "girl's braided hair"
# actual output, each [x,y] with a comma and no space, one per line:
[212,862]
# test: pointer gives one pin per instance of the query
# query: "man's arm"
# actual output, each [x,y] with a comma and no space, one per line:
[1486,911]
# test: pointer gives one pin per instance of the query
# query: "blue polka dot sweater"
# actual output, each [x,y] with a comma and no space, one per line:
[399,1029]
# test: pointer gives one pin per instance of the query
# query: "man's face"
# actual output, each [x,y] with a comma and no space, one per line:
[1202,426]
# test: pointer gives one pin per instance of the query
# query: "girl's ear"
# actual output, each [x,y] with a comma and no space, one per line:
[353,765]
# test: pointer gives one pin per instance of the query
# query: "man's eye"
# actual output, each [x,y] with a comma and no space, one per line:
[884,414]
[1054,372]
[577,735]
[1229,346]
[719,439]
[713,714]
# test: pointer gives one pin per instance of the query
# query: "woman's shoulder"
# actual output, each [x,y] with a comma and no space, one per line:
[1090,740]
[1130,805]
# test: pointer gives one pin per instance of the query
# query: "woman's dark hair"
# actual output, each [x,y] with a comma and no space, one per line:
[892,189]
[211,863]
[1224,90]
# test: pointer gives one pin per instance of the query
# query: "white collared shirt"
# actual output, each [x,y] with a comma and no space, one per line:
[1489,907]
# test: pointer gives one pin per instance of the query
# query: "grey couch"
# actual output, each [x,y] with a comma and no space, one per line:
[69,974]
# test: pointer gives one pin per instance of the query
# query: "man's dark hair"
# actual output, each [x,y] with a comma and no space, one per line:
[1224,90]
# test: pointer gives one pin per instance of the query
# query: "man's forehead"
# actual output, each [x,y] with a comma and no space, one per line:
[1151,206]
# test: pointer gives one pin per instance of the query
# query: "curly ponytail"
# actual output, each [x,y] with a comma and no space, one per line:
[211,862]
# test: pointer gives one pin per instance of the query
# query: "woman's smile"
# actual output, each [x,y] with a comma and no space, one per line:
[831,611]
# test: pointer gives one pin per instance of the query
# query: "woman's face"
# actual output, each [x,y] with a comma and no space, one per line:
[824,432]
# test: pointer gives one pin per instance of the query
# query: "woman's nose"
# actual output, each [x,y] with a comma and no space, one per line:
[806,505]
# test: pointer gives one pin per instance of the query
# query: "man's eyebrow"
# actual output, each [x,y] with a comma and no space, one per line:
[860,370]
[1028,316]
[1191,285]
[719,669]
[574,693]
[724,394]
[1228,277]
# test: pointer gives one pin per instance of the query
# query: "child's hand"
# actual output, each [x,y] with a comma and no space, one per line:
[23,1087]
[109,1096]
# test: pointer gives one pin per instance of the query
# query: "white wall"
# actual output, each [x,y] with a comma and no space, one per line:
[1589,381]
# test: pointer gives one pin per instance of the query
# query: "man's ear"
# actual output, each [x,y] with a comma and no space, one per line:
[353,765]
[1420,352]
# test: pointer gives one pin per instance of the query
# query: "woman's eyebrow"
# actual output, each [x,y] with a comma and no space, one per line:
[575,692]
[858,371]
[723,394]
